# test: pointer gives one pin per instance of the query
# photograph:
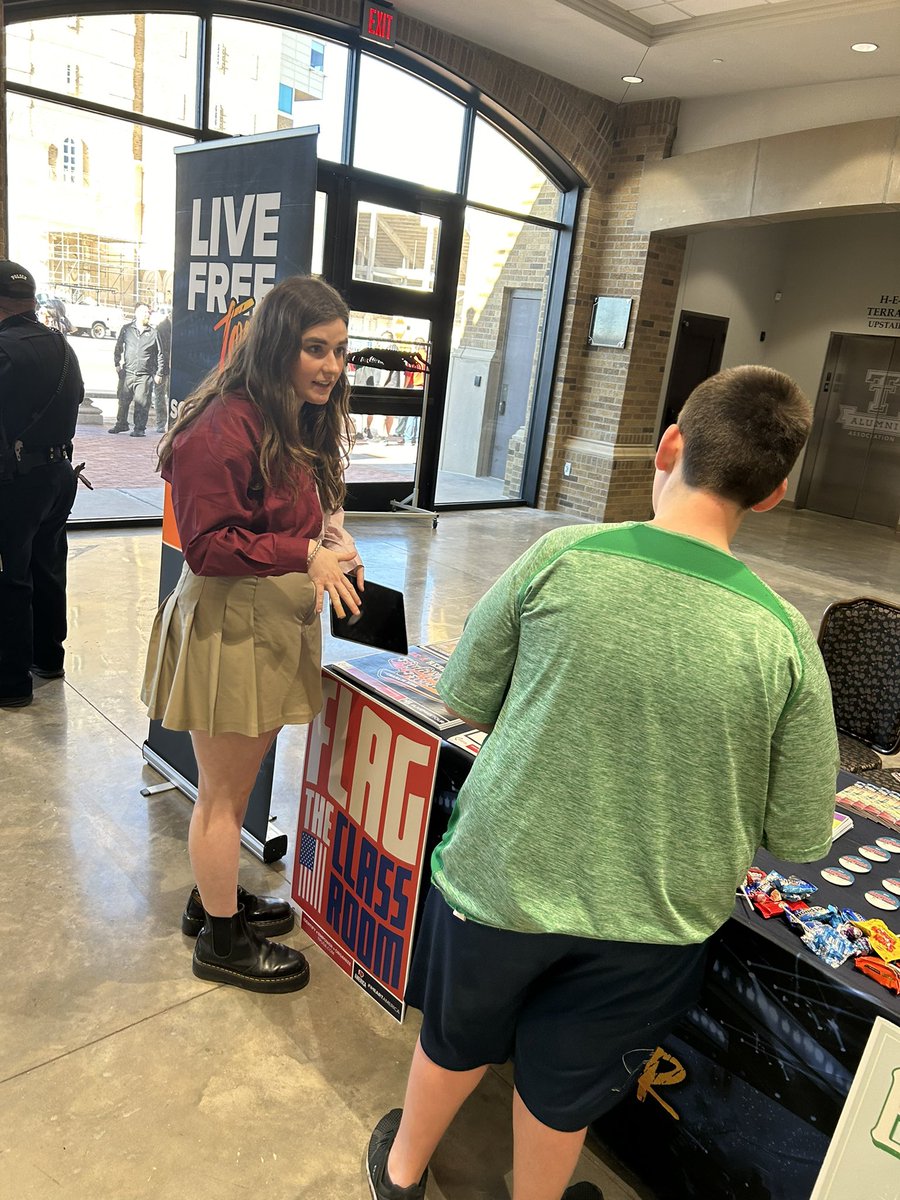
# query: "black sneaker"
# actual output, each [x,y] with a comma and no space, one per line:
[376,1162]
[117,429]
[136,433]
[583,1191]
[16,701]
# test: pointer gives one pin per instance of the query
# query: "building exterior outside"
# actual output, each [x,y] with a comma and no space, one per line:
[603,405]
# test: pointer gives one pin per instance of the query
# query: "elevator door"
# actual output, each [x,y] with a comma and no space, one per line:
[852,467]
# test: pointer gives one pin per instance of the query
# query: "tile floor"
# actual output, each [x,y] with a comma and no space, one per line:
[122,1077]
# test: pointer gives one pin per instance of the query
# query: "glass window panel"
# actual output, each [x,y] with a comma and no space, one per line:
[318,246]
[498,329]
[95,242]
[395,247]
[504,176]
[265,77]
[386,445]
[406,128]
[112,59]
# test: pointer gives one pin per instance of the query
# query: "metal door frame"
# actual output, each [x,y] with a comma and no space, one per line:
[820,410]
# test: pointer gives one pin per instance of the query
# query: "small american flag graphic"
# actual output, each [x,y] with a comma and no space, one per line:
[313,854]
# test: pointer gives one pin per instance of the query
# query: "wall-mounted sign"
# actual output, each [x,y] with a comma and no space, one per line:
[609,321]
[885,314]
[378,23]
[876,421]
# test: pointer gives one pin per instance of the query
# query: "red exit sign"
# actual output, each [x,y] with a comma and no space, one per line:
[378,23]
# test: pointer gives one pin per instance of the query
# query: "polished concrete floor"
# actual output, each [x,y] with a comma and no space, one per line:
[124,1077]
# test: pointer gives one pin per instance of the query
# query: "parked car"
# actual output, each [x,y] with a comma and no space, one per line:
[86,316]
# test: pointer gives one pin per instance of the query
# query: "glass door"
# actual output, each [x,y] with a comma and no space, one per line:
[388,364]
[495,359]
[393,252]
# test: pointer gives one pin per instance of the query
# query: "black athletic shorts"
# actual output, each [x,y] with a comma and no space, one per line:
[578,1016]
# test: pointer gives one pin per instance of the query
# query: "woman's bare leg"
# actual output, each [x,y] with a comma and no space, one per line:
[227,766]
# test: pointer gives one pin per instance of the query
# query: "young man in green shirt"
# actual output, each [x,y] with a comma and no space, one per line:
[656,714]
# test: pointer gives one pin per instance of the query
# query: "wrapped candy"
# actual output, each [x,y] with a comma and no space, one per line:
[766,905]
[755,876]
[884,973]
[831,945]
[793,888]
[771,885]
[883,941]
[816,913]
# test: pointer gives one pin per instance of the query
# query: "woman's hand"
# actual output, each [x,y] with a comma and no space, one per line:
[325,572]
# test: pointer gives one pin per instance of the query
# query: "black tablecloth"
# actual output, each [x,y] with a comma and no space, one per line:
[769,1052]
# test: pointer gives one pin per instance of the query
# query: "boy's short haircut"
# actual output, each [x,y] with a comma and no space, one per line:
[742,431]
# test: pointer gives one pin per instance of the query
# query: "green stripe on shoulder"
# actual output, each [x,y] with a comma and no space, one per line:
[677,552]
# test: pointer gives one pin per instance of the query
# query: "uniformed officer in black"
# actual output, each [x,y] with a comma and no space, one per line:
[40,391]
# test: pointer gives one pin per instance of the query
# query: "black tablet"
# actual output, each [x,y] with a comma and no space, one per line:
[380,623]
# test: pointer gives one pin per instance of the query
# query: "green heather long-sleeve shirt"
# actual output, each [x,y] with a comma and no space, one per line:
[659,714]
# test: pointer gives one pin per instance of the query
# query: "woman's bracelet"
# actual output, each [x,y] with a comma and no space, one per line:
[317,548]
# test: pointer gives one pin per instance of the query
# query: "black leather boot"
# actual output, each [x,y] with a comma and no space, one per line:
[228,950]
[264,914]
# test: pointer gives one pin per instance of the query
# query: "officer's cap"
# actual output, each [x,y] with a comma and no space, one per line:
[15,282]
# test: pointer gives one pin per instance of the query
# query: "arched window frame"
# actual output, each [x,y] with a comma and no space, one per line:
[203,128]
[70,160]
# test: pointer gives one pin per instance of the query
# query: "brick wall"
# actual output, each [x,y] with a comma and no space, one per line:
[605,425]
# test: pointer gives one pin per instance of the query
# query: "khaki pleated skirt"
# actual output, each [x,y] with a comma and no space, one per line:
[235,655]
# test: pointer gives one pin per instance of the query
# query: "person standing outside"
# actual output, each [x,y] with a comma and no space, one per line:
[255,461]
[161,387]
[656,713]
[140,362]
[408,427]
[40,391]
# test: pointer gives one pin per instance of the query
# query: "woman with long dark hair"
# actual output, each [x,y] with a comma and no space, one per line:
[256,463]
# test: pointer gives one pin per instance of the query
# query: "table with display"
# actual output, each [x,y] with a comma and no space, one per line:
[750,1086]
[768,1054]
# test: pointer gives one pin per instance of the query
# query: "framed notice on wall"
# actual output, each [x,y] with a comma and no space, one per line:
[609,321]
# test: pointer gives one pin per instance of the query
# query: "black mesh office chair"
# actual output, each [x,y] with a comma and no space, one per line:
[860,643]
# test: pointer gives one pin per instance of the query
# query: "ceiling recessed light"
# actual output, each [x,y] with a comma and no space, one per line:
[632,79]
[864,47]
[718,60]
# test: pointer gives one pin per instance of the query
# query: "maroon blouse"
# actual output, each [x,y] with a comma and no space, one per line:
[228,522]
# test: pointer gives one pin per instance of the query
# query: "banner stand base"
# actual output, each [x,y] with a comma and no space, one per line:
[401,508]
[271,850]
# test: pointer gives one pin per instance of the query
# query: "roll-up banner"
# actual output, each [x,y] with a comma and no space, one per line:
[244,220]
